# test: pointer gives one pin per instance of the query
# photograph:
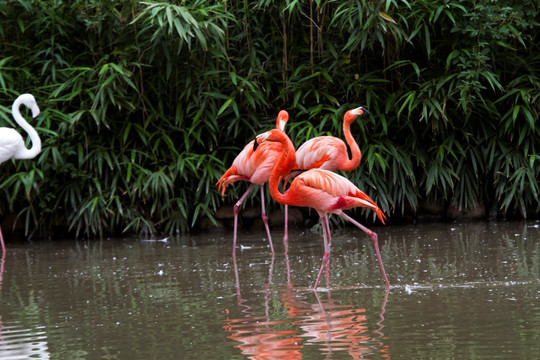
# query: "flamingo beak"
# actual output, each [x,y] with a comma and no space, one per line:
[283,117]
[35,111]
[260,138]
[359,111]
[364,110]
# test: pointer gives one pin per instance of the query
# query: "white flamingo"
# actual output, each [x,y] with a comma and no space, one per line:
[12,145]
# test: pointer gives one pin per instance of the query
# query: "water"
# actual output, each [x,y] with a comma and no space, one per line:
[466,291]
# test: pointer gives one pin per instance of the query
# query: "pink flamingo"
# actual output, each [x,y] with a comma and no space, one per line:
[255,168]
[323,190]
[329,152]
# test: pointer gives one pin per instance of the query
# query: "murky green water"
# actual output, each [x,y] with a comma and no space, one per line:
[459,291]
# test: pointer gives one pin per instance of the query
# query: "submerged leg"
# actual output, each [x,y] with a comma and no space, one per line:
[374,238]
[288,265]
[265,220]
[236,209]
[327,240]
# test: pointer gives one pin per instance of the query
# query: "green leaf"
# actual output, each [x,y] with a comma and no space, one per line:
[224,106]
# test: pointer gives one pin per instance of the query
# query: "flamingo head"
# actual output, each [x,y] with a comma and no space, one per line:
[352,114]
[281,121]
[274,135]
[259,139]
[30,102]
[266,136]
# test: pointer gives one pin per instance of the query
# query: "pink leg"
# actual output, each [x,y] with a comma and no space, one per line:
[326,256]
[2,262]
[286,232]
[374,238]
[2,242]
[265,220]
[327,272]
[236,209]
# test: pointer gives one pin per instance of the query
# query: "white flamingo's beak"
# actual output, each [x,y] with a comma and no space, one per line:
[35,111]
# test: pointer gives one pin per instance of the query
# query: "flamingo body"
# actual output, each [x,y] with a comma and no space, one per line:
[328,192]
[322,152]
[251,166]
[11,144]
[329,152]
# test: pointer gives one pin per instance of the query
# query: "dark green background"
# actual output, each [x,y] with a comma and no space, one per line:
[145,104]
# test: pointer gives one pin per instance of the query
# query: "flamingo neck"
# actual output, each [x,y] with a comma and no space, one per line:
[32,133]
[356,155]
[283,167]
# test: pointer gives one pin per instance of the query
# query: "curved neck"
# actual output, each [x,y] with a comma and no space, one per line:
[283,167]
[32,133]
[354,161]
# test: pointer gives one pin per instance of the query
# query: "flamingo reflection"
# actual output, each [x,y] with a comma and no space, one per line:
[306,320]
[259,335]
[23,343]
[2,261]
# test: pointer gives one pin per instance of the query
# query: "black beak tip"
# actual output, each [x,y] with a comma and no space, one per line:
[255,144]
[365,111]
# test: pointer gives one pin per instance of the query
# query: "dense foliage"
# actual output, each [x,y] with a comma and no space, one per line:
[145,104]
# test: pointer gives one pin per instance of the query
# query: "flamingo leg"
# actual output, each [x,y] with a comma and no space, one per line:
[265,220]
[327,273]
[286,231]
[236,209]
[2,242]
[326,256]
[236,278]
[374,238]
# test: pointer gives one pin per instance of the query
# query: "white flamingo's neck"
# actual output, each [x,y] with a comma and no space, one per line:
[29,101]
